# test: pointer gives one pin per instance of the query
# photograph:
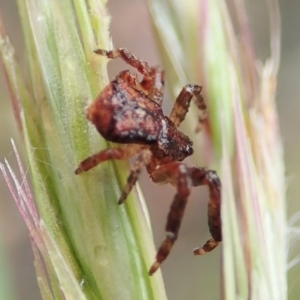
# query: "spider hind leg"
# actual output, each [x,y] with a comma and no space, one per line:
[129,58]
[154,85]
[153,81]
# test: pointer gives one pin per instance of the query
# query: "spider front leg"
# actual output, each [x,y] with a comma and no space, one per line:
[174,173]
[202,176]
[182,104]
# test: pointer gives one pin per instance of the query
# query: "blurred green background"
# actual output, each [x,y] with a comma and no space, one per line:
[186,276]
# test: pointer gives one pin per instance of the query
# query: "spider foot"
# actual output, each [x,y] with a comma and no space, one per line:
[209,246]
[163,251]
[122,198]
[78,171]
[154,268]
[101,52]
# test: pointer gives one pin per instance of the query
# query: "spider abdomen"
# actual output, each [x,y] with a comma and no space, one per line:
[123,114]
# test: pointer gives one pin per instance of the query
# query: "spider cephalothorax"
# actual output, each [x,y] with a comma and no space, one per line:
[129,112]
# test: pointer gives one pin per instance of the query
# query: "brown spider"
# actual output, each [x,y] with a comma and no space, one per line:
[129,112]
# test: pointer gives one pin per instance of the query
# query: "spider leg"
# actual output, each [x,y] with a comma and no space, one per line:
[182,104]
[106,154]
[129,58]
[202,176]
[142,160]
[130,78]
[172,172]
[154,85]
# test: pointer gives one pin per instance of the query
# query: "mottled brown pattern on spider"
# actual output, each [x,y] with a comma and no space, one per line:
[129,112]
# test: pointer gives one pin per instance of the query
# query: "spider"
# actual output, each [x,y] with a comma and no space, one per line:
[129,112]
